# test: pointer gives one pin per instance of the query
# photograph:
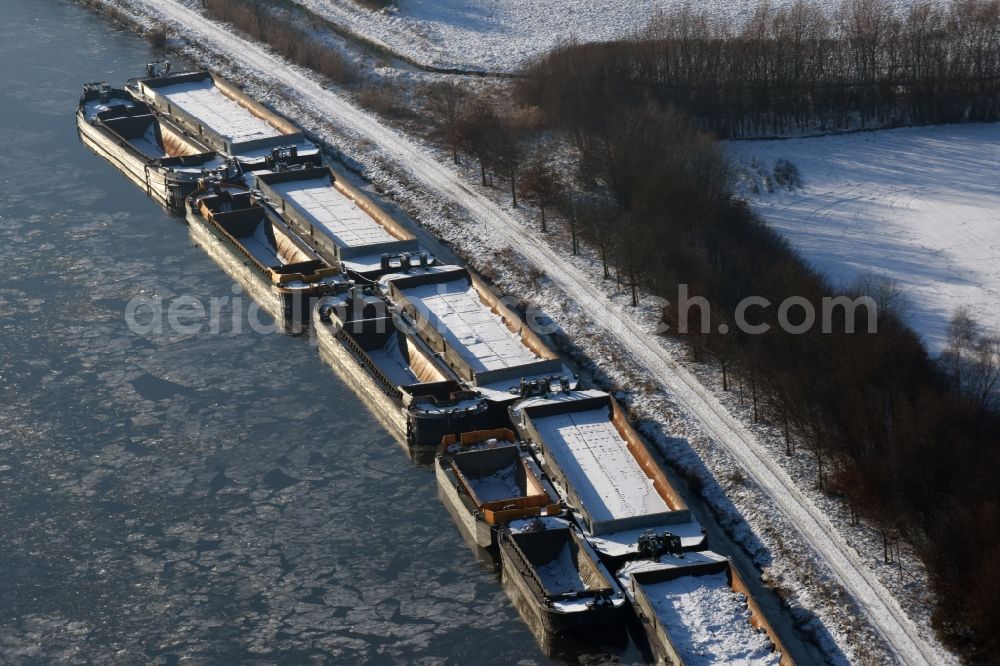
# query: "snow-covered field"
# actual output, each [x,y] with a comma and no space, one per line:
[920,206]
[500,35]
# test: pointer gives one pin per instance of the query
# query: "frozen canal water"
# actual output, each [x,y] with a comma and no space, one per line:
[169,497]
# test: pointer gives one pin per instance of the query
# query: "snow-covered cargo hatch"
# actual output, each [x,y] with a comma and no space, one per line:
[220,115]
[479,337]
[608,472]
[697,611]
[341,222]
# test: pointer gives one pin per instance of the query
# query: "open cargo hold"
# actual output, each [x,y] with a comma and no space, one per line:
[150,151]
[557,577]
[220,115]
[419,399]
[256,247]
[697,611]
[341,222]
[607,470]
[486,478]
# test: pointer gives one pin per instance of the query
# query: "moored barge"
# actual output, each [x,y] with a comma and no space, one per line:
[219,115]
[255,247]
[369,345]
[605,471]
[154,154]
[476,334]
[557,579]
[697,611]
[342,222]
[486,479]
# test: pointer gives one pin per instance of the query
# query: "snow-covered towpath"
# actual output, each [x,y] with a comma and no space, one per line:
[872,597]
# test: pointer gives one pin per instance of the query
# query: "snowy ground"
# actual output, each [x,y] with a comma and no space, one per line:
[499,35]
[778,520]
[918,205]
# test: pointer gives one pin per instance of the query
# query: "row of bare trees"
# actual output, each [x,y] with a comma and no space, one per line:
[795,67]
[911,443]
[500,137]
[972,361]
[289,37]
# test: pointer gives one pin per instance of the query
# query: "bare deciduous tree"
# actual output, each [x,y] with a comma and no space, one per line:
[477,129]
[443,102]
[540,185]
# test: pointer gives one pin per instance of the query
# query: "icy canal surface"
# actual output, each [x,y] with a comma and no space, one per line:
[197,498]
